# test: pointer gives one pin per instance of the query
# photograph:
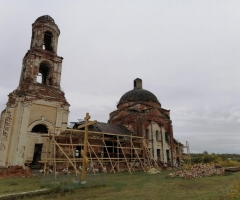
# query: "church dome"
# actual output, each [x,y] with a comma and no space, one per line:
[44,18]
[138,94]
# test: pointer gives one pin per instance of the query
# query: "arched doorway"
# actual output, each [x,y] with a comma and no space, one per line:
[40,129]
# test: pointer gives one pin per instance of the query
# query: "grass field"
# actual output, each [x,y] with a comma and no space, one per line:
[139,186]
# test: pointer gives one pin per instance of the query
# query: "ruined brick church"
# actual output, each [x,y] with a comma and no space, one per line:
[38,108]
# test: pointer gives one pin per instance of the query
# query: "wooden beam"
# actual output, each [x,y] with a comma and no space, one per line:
[66,157]
[95,155]
[139,160]
[87,124]
[109,156]
[125,158]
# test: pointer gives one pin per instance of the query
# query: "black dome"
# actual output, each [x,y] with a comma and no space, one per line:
[44,18]
[138,95]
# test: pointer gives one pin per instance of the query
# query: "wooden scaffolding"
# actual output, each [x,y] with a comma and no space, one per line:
[107,152]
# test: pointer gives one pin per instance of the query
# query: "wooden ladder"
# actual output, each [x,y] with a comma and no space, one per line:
[149,156]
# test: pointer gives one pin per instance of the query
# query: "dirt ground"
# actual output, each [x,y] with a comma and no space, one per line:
[15,171]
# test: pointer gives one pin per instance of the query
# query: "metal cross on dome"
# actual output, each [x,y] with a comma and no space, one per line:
[85,160]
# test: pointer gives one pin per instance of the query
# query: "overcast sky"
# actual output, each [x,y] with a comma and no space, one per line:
[187,52]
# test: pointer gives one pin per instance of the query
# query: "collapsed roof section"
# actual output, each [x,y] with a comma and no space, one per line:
[104,128]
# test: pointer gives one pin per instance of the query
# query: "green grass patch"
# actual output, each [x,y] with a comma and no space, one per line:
[139,185]
[19,184]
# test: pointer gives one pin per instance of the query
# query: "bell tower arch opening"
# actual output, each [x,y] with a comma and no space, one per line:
[44,70]
[47,45]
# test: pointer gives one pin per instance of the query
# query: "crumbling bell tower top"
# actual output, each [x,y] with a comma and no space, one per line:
[45,34]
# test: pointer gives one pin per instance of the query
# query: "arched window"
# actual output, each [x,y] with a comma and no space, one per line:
[43,73]
[40,128]
[47,41]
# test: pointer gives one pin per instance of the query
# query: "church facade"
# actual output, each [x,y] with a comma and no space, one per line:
[38,106]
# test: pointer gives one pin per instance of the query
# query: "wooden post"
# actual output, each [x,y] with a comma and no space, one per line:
[85,147]
[54,155]
[109,156]
[73,152]
[47,154]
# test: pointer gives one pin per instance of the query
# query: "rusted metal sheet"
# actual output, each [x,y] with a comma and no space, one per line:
[112,128]
[106,128]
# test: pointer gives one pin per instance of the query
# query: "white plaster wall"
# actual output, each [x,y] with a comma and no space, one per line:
[21,145]
[158,144]
[15,133]
[32,139]
[21,142]
[6,135]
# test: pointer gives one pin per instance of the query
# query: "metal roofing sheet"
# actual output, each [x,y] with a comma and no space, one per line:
[112,128]
[107,128]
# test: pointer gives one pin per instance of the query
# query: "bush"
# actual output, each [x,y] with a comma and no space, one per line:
[221,159]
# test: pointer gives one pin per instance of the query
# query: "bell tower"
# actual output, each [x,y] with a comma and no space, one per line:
[41,63]
[38,105]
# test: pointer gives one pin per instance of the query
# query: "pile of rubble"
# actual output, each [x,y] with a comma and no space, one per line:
[153,171]
[200,170]
[15,171]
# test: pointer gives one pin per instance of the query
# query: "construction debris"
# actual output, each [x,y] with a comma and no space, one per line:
[200,170]
[15,171]
[153,171]
[232,169]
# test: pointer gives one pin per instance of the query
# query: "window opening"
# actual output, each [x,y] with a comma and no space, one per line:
[47,41]
[166,136]
[168,155]
[157,136]
[158,154]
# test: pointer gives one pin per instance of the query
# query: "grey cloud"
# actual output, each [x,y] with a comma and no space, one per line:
[186,52]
